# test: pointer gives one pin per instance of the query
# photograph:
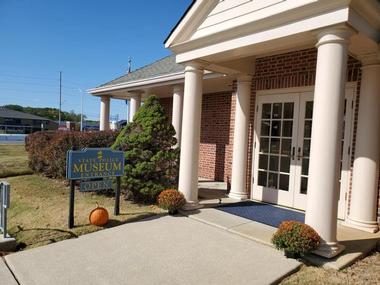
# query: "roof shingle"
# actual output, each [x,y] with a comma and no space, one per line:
[9,113]
[166,65]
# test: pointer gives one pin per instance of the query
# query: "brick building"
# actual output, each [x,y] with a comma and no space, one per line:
[279,98]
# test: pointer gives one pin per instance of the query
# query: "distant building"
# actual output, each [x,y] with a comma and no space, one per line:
[90,126]
[67,126]
[118,125]
[16,122]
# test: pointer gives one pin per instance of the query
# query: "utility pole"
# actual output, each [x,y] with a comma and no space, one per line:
[81,110]
[60,98]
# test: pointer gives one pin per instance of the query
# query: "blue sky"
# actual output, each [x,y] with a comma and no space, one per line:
[89,40]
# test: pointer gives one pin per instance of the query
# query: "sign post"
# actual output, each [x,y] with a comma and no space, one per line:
[94,167]
[71,204]
[117,197]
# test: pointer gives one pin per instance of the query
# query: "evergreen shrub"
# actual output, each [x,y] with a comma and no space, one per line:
[151,161]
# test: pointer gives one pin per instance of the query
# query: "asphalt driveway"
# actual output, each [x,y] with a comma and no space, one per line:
[158,250]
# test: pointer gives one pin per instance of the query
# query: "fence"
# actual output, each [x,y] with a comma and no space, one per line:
[5,190]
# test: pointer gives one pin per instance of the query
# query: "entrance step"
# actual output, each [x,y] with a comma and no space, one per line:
[358,243]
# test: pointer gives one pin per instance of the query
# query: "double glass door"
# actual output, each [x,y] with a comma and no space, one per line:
[282,148]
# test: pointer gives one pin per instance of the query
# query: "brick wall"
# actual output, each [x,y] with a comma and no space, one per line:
[215,154]
[167,103]
[217,122]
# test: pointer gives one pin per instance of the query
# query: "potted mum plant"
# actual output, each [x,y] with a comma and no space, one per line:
[296,239]
[171,200]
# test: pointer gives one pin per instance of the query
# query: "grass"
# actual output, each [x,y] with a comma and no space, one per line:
[363,272]
[39,211]
[13,161]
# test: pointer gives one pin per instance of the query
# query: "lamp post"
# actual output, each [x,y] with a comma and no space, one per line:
[81,109]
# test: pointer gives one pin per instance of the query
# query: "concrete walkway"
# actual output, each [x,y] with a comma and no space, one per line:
[6,276]
[358,243]
[158,250]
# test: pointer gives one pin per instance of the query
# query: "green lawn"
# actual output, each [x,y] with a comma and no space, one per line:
[39,211]
[13,160]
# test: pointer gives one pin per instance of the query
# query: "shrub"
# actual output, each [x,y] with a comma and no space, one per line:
[171,200]
[295,238]
[151,162]
[47,150]
[35,145]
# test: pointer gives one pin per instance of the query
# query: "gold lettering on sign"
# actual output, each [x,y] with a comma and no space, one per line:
[117,165]
[78,168]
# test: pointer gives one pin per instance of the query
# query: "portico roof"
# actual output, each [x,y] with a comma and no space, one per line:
[163,66]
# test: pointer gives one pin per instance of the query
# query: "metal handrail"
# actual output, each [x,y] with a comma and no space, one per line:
[5,190]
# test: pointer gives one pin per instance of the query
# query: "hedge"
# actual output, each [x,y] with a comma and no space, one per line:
[47,150]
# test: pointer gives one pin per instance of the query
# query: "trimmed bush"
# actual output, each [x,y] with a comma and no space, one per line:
[151,162]
[47,150]
[171,200]
[295,238]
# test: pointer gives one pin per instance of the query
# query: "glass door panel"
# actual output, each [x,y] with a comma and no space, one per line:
[303,150]
[277,127]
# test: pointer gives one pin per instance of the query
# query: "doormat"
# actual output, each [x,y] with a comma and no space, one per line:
[262,213]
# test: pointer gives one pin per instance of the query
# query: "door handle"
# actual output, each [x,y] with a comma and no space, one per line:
[299,156]
[293,153]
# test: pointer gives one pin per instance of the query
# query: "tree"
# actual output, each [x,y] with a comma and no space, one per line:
[50,113]
[151,162]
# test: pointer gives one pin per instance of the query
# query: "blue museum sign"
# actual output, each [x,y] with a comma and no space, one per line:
[94,163]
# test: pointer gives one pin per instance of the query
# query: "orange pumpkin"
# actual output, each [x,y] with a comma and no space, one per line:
[98,216]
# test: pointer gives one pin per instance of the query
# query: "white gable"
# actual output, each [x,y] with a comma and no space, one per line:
[209,17]
[230,13]
[219,28]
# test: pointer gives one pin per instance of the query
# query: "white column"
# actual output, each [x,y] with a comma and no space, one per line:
[240,147]
[363,207]
[192,107]
[323,184]
[104,113]
[134,105]
[177,112]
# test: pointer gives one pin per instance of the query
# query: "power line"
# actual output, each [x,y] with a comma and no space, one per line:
[32,77]
[37,91]
[71,87]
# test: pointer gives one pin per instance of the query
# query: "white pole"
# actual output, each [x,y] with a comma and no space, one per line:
[241,132]
[190,138]
[325,152]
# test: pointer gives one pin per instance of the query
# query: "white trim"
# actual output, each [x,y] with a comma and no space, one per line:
[300,89]
[190,22]
[353,86]
[186,51]
[153,80]
[361,24]
[163,80]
